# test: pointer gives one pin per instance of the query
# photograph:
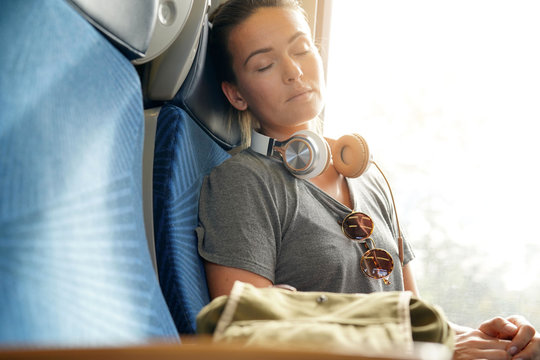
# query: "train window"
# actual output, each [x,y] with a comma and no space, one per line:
[447,96]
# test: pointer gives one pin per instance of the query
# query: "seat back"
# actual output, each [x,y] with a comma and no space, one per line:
[74,262]
[183,155]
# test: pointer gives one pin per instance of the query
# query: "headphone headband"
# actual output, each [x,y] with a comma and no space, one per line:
[306,154]
[261,143]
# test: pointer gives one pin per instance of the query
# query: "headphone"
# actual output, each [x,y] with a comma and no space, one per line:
[306,154]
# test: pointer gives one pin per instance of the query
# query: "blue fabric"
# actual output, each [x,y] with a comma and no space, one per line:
[74,262]
[183,155]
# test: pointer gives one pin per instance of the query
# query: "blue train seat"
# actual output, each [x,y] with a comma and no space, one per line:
[75,268]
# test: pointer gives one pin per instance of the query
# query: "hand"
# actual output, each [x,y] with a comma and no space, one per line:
[525,342]
[475,344]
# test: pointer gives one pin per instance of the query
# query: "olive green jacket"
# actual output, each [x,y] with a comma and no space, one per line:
[368,323]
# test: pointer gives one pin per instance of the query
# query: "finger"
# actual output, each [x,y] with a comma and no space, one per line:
[518,320]
[499,327]
[477,354]
[480,341]
[531,352]
[494,354]
[523,337]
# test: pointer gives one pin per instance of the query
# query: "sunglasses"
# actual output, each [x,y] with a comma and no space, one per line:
[375,263]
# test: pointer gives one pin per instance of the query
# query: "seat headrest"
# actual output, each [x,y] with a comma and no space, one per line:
[185,77]
[173,20]
[201,97]
[164,75]
[141,29]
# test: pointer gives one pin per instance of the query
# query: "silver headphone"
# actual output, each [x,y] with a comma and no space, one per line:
[306,154]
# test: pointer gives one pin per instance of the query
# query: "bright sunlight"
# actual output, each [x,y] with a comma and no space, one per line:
[447,95]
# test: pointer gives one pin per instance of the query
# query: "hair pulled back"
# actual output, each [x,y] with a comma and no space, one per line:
[224,19]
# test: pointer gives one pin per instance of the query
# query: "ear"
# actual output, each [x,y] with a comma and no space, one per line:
[233,95]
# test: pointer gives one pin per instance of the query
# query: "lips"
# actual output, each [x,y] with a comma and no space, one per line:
[300,93]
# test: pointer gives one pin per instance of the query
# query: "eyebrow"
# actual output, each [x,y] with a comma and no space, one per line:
[268,49]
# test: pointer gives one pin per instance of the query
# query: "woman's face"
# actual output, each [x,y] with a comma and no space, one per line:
[279,74]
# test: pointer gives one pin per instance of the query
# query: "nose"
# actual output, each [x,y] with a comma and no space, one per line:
[292,70]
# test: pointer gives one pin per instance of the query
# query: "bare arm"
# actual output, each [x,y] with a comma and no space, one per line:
[221,279]
[409,280]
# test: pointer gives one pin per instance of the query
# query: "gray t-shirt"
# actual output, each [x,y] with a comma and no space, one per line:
[254,215]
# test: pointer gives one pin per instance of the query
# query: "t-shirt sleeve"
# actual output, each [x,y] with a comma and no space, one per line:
[408,252]
[238,220]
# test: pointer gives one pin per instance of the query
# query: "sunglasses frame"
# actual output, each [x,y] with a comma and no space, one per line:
[365,230]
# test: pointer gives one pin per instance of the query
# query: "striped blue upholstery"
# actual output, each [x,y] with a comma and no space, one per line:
[74,262]
[183,155]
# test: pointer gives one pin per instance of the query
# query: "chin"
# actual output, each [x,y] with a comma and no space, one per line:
[309,112]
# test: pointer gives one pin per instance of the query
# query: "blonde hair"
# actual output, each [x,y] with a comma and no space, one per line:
[246,122]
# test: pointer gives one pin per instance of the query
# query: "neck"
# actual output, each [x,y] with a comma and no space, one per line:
[281,133]
[335,185]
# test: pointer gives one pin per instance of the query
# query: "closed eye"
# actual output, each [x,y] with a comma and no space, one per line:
[303,52]
[304,47]
[264,68]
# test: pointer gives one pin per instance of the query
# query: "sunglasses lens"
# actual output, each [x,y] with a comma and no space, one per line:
[357,226]
[377,263]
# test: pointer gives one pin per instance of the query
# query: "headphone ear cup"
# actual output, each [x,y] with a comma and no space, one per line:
[319,151]
[351,155]
[322,160]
